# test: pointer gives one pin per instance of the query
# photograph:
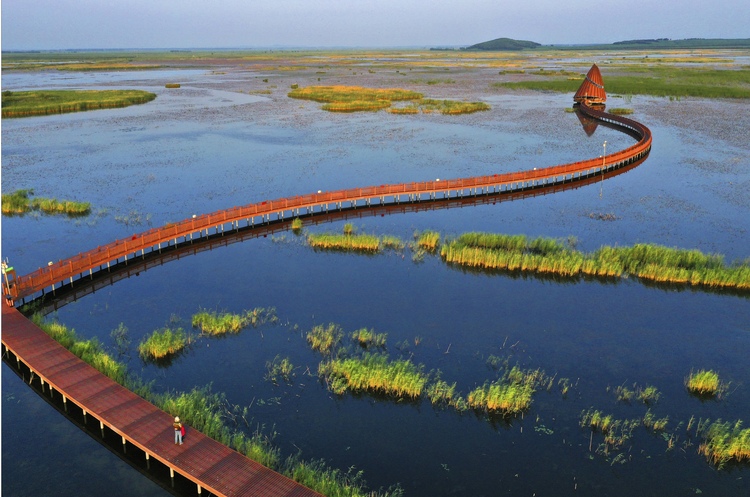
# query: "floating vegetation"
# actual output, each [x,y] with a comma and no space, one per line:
[20,202]
[368,338]
[646,261]
[325,339]
[705,383]
[620,111]
[725,442]
[163,343]
[44,102]
[172,85]
[219,323]
[279,368]
[374,373]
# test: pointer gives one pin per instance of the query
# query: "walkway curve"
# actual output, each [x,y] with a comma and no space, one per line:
[103,257]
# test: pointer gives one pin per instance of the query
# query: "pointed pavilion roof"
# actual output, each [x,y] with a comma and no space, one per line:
[592,88]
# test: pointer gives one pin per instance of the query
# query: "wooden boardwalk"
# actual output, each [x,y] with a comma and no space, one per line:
[102,258]
[213,467]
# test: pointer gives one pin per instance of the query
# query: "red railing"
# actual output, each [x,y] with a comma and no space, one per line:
[67,269]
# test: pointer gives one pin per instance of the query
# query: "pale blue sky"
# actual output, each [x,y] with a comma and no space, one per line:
[55,24]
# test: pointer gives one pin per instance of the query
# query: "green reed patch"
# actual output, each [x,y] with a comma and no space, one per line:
[44,102]
[325,339]
[646,261]
[705,383]
[346,242]
[279,369]
[20,202]
[428,240]
[163,343]
[509,395]
[374,373]
[219,323]
[368,338]
[725,442]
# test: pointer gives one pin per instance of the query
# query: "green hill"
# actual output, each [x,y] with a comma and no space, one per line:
[504,44]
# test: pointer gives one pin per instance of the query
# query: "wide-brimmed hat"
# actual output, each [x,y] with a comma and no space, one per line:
[177,419]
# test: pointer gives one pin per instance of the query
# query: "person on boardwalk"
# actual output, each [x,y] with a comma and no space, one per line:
[177,430]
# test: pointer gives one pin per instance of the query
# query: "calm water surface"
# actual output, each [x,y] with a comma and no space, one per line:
[202,148]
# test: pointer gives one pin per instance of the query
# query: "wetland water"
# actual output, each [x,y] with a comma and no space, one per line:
[205,147]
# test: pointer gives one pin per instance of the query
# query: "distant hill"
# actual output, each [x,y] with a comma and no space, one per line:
[644,44]
[504,44]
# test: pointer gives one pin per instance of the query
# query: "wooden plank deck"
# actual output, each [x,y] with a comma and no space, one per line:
[207,463]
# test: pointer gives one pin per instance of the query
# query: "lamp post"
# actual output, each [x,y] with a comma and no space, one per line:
[604,162]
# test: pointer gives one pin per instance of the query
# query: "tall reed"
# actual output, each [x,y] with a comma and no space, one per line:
[163,343]
[374,373]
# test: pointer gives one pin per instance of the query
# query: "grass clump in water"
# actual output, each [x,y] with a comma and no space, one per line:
[44,102]
[163,343]
[705,383]
[325,339]
[220,323]
[346,242]
[646,261]
[279,369]
[725,442]
[428,240]
[20,202]
[296,224]
[374,373]
[368,338]
[509,395]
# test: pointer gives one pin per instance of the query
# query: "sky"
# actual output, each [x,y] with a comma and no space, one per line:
[69,24]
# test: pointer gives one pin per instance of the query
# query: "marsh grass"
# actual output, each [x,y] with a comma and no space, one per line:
[374,373]
[296,224]
[20,202]
[279,368]
[615,431]
[392,242]
[325,339]
[44,102]
[340,93]
[428,240]
[367,338]
[620,111]
[725,442]
[653,423]
[172,85]
[220,323]
[646,261]
[669,81]
[705,383]
[163,343]
[509,395]
[344,242]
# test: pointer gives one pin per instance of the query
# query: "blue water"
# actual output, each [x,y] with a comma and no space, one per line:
[148,165]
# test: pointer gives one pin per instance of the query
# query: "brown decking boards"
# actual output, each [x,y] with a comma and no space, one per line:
[202,460]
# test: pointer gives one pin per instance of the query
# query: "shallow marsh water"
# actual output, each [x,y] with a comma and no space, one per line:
[206,147]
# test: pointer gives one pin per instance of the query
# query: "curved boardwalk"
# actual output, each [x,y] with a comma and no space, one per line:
[205,462]
[101,258]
